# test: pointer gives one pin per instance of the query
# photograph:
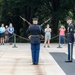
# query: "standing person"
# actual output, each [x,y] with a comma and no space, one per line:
[10,32]
[35,31]
[2,30]
[70,39]
[62,35]
[47,35]
[6,33]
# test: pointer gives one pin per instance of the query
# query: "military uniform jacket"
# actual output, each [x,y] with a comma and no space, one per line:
[70,33]
[35,31]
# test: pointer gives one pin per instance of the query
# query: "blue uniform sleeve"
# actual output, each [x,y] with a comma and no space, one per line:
[71,33]
[70,28]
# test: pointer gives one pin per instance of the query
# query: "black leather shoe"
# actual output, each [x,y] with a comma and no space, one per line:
[35,64]
[68,61]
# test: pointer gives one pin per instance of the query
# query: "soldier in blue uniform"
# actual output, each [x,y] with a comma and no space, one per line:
[35,31]
[70,39]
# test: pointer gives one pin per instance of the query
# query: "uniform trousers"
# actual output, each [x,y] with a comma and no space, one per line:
[70,51]
[35,49]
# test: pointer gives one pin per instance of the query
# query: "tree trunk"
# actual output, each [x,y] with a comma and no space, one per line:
[54,23]
[55,19]
[28,12]
[28,15]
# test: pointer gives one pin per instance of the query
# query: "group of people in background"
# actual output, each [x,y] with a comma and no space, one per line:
[6,33]
[48,31]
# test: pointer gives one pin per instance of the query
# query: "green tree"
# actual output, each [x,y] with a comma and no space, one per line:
[57,10]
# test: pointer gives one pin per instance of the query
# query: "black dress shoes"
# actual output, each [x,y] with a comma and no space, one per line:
[35,63]
[68,61]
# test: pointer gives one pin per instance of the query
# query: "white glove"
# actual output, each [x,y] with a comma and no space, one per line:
[70,43]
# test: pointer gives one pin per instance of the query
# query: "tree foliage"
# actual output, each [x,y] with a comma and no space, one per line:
[57,10]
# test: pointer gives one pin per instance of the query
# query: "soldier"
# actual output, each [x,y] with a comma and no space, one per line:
[35,31]
[70,39]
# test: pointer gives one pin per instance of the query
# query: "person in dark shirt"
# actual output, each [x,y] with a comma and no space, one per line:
[70,30]
[35,30]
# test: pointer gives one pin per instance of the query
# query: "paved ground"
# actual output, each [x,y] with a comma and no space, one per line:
[17,61]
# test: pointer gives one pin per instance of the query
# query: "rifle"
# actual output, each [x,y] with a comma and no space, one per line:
[25,20]
[31,24]
[45,22]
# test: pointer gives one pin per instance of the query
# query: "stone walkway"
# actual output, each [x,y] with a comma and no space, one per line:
[17,61]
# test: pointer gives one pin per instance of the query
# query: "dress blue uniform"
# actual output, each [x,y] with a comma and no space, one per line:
[70,41]
[35,30]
